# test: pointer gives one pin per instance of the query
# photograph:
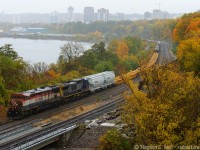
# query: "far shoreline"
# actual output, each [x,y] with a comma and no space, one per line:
[61,37]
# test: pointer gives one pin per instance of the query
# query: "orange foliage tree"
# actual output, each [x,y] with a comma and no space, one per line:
[193,29]
[187,34]
[186,26]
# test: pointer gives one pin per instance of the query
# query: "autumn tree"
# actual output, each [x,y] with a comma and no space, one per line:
[134,44]
[187,27]
[193,29]
[4,94]
[12,71]
[122,50]
[40,67]
[70,54]
[113,140]
[187,34]
[189,55]
[166,112]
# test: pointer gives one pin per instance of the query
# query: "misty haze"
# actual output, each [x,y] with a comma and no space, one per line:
[96,74]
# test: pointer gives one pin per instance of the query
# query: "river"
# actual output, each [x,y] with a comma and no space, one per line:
[34,51]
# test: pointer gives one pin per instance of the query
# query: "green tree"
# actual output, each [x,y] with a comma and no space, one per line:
[89,59]
[113,140]
[99,49]
[104,66]
[70,54]
[4,94]
[134,44]
[8,51]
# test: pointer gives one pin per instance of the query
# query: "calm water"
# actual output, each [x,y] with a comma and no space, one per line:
[35,51]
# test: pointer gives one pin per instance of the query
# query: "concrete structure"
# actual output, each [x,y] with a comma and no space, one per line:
[147,15]
[70,14]
[54,17]
[102,14]
[88,14]
[60,135]
[156,14]
[164,15]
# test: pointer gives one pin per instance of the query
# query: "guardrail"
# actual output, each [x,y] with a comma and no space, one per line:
[44,138]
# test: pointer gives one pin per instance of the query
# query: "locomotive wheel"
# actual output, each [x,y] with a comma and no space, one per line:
[30,112]
[21,115]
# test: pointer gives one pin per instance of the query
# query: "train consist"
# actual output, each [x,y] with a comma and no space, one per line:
[29,102]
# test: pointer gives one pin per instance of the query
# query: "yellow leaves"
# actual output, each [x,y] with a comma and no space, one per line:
[189,55]
[193,29]
[53,74]
[187,34]
[170,113]
[175,36]
[96,34]
[73,75]
[187,27]
[122,50]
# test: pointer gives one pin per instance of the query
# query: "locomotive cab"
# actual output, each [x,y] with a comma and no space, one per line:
[15,106]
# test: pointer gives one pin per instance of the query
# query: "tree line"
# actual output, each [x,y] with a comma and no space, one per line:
[165,111]
[107,31]
[16,75]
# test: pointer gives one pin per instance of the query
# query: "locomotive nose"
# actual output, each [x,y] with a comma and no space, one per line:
[14,104]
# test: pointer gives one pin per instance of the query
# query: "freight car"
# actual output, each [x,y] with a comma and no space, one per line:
[29,102]
[157,48]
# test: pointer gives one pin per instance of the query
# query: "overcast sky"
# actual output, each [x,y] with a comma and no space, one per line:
[124,6]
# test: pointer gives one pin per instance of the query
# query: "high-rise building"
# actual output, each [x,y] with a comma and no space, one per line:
[156,14]
[147,15]
[54,17]
[88,14]
[102,14]
[70,14]
[164,15]
[16,19]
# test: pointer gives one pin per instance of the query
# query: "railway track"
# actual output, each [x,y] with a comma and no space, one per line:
[17,126]
[18,142]
[107,94]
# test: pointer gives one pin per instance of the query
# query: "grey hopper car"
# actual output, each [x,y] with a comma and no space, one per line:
[101,80]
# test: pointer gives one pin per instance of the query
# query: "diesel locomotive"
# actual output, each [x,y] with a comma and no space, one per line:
[29,102]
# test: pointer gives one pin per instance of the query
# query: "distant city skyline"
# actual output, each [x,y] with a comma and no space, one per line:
[122,6]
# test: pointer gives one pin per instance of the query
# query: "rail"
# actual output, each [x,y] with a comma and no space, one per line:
[30,138]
